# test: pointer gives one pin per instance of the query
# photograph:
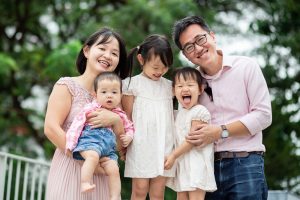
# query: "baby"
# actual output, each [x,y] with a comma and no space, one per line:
[89,144]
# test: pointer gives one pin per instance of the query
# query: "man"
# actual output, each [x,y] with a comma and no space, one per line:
[239,102]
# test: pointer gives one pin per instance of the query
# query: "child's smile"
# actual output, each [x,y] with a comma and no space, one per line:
[187,92]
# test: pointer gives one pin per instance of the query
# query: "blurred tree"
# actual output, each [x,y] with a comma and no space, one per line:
[37,46]
[279,21]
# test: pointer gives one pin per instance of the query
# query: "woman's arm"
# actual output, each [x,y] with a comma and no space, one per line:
[106,118]
[59,105]
[182,149]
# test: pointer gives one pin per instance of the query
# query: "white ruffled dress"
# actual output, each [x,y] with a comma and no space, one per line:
[153,120]
[194,169]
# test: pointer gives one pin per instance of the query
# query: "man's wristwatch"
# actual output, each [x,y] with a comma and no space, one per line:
[225,132]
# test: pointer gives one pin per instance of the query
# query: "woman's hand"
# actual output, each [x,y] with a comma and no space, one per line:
[102,118]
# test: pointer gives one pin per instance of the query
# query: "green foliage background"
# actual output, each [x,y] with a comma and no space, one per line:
[39,42]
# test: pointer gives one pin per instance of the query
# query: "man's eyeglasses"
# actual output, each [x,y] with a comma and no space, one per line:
[199,40]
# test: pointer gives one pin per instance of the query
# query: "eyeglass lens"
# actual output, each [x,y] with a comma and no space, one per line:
[200,40]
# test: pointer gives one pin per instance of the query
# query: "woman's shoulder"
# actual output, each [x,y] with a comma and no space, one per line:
[65,80]
[69,83]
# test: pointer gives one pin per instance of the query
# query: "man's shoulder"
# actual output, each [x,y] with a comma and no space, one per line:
[238,60]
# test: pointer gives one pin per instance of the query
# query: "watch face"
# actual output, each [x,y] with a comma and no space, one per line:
[225,134]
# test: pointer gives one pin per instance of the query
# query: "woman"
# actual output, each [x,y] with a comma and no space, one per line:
[103,51]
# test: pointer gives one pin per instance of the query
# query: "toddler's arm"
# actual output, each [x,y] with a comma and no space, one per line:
[183,148]
[75,130]
[127,105]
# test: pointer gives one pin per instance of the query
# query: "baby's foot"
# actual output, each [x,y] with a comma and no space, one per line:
[87,187]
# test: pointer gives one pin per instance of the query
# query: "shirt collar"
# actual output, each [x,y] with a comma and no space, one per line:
[227,63]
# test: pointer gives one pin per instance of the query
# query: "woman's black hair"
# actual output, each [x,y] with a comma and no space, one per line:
[153,45]
[106,33]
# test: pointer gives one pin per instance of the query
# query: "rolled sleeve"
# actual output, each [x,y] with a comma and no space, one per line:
[260,111]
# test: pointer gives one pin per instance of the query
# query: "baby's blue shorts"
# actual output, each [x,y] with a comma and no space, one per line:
[101,140]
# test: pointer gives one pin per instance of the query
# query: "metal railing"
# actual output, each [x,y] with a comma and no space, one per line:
[22,178]
[281,195]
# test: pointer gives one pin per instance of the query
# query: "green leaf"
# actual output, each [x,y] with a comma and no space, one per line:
[61,61]
[7,64]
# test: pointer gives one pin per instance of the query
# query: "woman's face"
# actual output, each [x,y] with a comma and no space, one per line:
[103,57]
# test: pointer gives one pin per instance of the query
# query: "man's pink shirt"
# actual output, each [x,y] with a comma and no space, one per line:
[240,93]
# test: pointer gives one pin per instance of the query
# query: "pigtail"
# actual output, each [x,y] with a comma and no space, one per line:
[130,61]
[131,58]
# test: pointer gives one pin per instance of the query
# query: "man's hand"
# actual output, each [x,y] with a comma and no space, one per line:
[204,134]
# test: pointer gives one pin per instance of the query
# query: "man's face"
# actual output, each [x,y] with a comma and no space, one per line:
[204,55]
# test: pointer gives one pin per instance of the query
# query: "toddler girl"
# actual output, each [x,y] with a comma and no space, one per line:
[194,167]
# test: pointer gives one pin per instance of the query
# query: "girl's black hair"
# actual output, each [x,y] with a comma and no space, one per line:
[190,72]
[186,73]
[153,45]
[106,33]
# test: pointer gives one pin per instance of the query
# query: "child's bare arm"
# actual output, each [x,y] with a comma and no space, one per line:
[182,149]
[127,105]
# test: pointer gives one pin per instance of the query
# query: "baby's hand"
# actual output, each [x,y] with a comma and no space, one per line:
[169,161]
[125,140]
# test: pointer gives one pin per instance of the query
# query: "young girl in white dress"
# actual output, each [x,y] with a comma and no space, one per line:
[194,166]
[147,99]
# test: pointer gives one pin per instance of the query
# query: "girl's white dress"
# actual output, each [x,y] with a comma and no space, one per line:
[194,169]
[153,120]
